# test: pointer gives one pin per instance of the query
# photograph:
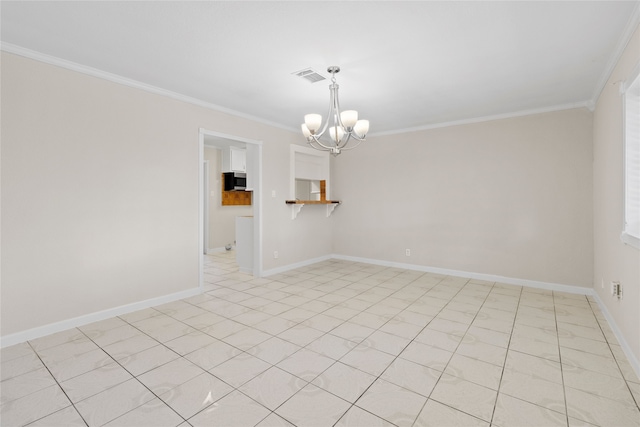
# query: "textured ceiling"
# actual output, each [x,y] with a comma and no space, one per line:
[405,65]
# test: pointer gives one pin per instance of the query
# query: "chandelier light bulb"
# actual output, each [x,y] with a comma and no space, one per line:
[361,128]
[305,130]
[349,118]
[313,122]
[332,133]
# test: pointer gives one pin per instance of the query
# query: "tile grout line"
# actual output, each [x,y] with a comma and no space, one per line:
[130,373]
[562,374]
[59,386]
[504,365]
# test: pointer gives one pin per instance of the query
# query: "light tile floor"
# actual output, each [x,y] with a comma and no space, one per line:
[333,344]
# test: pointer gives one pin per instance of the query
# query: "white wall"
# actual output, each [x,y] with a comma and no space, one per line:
[100,194]
[508,197]
[297,240]
[222,219]
[615,261]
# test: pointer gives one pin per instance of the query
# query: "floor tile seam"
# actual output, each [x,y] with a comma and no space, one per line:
[413,340]
[26,372]
[369,412]
[633,406]
[504,365]
[615,359]
[566,414]
[71,403]
[458,410]
[152,338]
[297,324]
[562,331]
[595,355]
[4,360]
[205,371]
[155,367]
[427,324]
[251,326]
[287,399]
[468,326]
[50,366]
[37,353]
[28,394]
[155,396]
[101,390]
[395,357]
[562,374]
[196,329]
[633,396]
[382,418]
[592,353]
[379,377]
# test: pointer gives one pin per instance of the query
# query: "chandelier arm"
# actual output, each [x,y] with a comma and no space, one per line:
[329,115]
[347,137]
[353,146]
[319,148]
[336,106]
[317,141]
[354,135]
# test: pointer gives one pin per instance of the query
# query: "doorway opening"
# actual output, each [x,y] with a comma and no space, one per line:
[209,194]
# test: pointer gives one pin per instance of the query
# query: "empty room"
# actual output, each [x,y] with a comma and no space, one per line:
[320,213]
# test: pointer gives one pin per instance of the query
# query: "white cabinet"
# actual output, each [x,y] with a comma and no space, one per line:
[238,160]
[234,159]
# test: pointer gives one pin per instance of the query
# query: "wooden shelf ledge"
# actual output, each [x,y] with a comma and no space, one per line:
[296,205]
[311,202]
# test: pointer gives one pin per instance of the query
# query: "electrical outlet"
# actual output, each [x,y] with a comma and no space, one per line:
[407,252]
[602,283]
[616,289]
[275,254]
[273,193]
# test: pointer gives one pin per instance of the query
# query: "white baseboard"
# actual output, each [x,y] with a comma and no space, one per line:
[216,250]
[632,358]
[573,289]
[52,328]
[277,270]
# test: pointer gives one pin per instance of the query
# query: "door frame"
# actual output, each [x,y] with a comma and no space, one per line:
[205,210]
[253,146]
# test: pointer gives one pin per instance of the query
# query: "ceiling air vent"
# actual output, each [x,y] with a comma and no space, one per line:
[310,75]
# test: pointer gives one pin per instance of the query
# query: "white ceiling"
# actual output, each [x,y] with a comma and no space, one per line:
[405,65]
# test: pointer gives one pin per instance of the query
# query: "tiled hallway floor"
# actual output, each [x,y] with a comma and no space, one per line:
[335,343]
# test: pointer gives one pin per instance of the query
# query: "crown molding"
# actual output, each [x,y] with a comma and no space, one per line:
[623,41]
[94,72]
[584,104]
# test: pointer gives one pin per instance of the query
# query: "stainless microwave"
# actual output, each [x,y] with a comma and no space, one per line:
[235,181]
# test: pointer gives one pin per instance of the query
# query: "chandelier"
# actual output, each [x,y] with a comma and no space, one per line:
[344,125]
